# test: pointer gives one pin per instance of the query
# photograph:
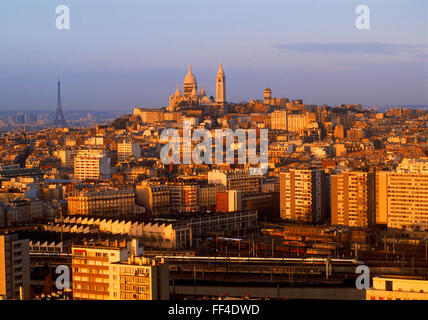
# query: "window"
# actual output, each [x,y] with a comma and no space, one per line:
[388,285]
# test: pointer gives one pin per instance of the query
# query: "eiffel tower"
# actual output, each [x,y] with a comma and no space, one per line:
[59,118]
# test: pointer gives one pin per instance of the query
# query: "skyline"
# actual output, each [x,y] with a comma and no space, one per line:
[314,53]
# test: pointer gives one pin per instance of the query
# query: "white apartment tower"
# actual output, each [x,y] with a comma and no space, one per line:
[92,164]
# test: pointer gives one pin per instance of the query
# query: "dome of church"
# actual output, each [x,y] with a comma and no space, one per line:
[190,78]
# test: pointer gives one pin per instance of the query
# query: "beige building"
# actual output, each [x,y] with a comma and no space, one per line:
[92,164]
[386,288]
[103,202]
[127,150]
[353,199]
[303,195]
[278,120]
[117,271]
[141,278]
[402,199]
[14,267]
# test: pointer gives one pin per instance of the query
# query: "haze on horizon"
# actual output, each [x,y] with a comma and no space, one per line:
[133,53]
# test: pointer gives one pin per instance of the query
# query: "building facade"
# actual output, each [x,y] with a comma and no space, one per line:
[14,267]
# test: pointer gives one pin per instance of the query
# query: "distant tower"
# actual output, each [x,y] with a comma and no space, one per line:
[268,96]
[59,118]
[220,86]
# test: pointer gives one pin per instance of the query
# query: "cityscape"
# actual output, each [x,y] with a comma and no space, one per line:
[211,196]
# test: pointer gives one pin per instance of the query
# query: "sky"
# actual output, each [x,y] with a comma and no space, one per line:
[118,55]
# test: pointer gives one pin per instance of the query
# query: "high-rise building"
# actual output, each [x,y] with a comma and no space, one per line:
[92,164]
[141,278]
[303,195]
[353,199]
[14,267]
[402,196]
[92,275]
[117,271]
[127,150]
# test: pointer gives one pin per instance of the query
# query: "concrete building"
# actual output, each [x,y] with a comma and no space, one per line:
[387,288]
[353,199]
[92,274]
[127,150]
[92,164]
[157,233]
[303,195]
[141,278]
[402,199]
[184,195]
[14,267]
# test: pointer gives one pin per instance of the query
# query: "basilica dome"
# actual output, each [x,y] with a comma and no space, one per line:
[190,78]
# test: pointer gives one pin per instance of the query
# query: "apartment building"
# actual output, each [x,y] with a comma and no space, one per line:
[127,150]
[117,271]
[353,199]
[278,120]
[402,199]
[141,278]
[207,197]
[92,164]
[154,197]
[20,211]
[303,195]
[236,180]
[14,267]
[102,202]
[184,195]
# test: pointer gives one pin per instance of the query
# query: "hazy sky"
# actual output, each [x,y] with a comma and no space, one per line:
[127,53]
